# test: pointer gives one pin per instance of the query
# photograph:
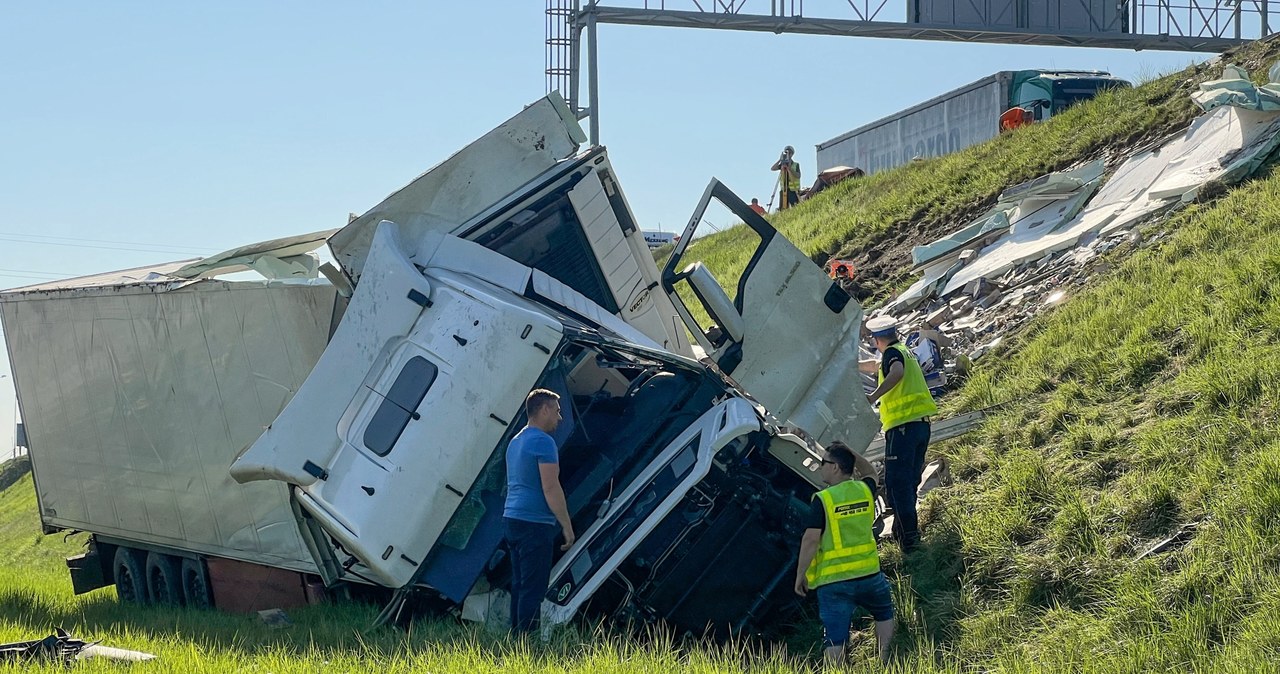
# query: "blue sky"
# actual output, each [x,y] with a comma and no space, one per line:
[146,132]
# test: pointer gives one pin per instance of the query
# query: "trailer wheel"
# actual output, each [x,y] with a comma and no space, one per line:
[164,583]
[195,583]
[130,577]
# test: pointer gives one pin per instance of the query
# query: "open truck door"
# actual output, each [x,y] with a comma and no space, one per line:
[789,337]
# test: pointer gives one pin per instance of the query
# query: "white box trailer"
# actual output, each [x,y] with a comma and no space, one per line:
[962,117]
[138,389]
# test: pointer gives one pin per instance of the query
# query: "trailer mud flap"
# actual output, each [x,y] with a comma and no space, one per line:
[86,572]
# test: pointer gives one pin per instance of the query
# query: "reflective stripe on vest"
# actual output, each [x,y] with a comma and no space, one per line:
[791,178]
[909,400]
[848,547]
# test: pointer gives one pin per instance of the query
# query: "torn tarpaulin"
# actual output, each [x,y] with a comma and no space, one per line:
[1227,144]
[1237,90]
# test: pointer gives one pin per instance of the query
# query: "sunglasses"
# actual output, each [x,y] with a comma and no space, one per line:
[825,462]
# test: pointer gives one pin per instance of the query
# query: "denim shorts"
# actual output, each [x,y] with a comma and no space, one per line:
[838,601]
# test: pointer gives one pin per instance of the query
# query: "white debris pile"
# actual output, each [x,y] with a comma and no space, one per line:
[1043,238]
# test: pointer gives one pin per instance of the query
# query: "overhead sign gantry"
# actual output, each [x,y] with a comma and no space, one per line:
[1167,25]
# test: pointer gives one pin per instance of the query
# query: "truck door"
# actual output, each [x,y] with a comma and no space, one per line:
[1032,91]
[789,336]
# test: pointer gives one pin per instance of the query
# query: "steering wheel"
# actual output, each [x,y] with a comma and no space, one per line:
[640,380]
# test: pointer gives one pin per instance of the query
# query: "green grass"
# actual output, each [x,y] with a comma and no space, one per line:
[1146,402]
[35,596]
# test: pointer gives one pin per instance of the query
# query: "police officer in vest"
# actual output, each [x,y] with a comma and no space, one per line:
[905,408]
[838,557]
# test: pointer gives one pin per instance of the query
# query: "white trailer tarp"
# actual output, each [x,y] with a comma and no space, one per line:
[137,397]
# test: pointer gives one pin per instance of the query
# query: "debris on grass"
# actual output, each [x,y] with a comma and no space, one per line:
[66,649]
[1044,238]
[275,618]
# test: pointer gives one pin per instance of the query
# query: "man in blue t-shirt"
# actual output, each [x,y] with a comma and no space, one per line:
[535,506]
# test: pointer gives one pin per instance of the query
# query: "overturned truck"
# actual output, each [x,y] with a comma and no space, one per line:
[248,443]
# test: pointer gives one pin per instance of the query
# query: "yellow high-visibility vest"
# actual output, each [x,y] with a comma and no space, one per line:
[909,400]
[848,547]
[790,175]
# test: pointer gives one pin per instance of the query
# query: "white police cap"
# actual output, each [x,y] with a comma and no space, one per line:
[881,326]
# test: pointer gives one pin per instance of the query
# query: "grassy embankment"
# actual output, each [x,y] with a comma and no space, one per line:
[1146,402]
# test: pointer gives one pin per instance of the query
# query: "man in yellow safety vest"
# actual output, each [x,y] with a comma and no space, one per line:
[838,557]
[788,178]
[905,408]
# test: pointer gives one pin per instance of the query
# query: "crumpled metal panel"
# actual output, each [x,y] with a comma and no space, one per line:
[137,399]
[157,276]
[467,183]
[244,257]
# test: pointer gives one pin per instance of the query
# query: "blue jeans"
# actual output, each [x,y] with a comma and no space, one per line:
[904,448]
[838,601]
[531,545]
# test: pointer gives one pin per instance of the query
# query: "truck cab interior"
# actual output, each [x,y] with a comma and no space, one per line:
[622,422]
[620,411]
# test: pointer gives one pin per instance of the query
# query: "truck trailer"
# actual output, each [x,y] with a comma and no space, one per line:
[962,117]
[248,443]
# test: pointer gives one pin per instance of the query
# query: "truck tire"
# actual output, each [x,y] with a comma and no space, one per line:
[130,577]
[195,584]
[164,580]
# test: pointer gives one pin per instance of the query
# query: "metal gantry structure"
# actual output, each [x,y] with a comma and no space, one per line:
[1167,25]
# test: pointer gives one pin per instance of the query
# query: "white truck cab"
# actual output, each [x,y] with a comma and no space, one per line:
[395,446]
[517,264]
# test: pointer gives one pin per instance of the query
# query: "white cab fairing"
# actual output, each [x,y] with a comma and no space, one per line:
[419,383]
[477,176]
[525,191]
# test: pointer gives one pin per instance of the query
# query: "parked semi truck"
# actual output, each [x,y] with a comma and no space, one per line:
[247,443]
[962,117]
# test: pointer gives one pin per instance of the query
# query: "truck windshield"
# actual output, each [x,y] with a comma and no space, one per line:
[549,236]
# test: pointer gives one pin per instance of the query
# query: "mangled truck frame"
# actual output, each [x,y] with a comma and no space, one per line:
[229,442]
